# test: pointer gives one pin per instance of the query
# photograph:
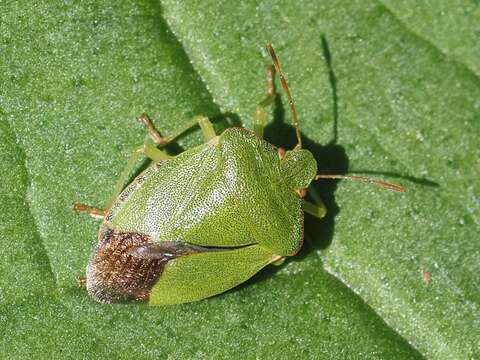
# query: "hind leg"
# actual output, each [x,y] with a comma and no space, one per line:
[90,210]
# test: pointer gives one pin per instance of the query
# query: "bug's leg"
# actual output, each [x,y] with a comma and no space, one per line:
[261,111]
[317,209]
[154,134]
[90,210]
[150,151]
[206,127]
[278,261]
[202,121]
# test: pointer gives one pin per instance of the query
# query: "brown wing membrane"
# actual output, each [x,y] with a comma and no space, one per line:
[126,265]
[114,275]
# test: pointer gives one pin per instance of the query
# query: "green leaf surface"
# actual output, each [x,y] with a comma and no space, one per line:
[387,89]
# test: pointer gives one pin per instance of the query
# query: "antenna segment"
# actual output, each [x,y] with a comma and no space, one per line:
[285,87]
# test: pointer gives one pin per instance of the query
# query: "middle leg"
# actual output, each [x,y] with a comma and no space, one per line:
[150,151]
[202,121]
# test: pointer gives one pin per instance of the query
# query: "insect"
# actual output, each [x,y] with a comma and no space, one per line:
[197,224]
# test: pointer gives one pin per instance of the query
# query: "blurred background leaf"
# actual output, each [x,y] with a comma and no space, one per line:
[389,89]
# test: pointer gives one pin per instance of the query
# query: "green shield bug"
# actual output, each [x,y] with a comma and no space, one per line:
[197,224]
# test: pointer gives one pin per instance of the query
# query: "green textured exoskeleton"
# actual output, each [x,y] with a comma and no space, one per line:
[199,223]
[226,209]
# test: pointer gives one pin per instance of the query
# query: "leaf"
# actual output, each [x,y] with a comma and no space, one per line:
[399,87]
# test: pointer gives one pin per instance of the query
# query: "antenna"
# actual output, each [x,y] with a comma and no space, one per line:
[285,87]
[384,184]
[296,124]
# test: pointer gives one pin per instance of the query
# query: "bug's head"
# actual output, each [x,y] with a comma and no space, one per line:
[299,168]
